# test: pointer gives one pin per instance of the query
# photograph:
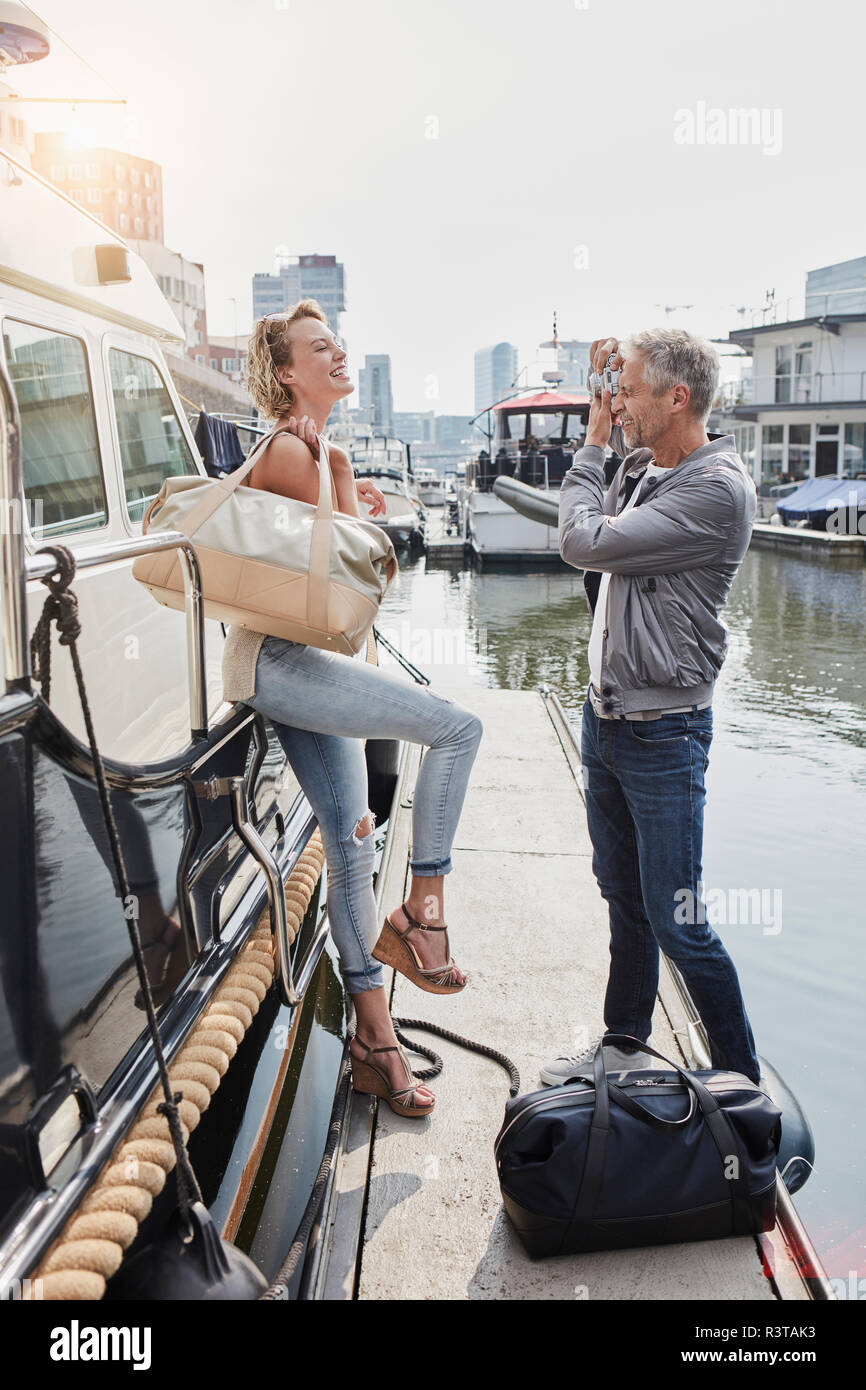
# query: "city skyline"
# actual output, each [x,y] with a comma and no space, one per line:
[461,193]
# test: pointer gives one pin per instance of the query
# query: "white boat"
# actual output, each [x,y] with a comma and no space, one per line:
[384,460]
[431,486]
[533,438]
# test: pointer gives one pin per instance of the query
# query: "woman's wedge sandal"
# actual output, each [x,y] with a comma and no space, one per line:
[371,1080]
[395,950]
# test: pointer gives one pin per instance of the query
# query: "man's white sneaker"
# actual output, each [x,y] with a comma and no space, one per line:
[562,1069]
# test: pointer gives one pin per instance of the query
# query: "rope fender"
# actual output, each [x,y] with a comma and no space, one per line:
[91,1246]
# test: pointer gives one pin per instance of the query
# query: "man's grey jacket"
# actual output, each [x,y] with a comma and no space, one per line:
[672,559]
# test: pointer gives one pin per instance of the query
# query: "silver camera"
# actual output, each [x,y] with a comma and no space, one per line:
[608,380]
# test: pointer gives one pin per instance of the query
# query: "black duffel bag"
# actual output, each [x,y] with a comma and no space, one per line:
[653,1158]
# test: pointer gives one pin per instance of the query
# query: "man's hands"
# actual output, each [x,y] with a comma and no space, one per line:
[600,424]
[601,351]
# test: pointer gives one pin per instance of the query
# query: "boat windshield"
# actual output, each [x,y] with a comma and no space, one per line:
[547,429]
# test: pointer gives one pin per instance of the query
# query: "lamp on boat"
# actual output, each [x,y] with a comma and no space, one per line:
[112,264]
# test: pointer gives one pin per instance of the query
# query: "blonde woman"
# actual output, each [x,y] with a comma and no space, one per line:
[322,704]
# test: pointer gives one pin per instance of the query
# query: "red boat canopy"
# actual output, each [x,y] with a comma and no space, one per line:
[543,402]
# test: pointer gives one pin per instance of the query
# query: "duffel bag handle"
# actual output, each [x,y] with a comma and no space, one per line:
[720,1127]
[707,1101]
[717,1121]
[634,1107]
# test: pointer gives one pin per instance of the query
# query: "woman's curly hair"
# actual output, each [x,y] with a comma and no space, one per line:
[270,349]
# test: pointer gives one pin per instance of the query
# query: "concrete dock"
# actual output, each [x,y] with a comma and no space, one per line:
[801,540]
[415,1210]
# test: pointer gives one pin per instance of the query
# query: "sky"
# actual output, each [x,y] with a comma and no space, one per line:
[478,164]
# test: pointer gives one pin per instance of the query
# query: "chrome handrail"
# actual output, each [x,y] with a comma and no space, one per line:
[291,993]
[42,563]
[11,537]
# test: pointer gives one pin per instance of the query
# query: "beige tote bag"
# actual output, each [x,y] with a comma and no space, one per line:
[286,568]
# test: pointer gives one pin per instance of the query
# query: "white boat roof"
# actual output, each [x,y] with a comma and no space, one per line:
[47,246]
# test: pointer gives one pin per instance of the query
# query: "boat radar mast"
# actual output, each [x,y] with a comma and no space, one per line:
[554,376]
[23,37]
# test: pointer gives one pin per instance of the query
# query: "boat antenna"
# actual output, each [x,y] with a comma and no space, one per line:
[73,51]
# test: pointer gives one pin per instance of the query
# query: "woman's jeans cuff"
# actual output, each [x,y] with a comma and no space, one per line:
[434,868]
[360,981]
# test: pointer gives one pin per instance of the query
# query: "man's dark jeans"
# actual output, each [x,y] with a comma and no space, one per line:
[645,795]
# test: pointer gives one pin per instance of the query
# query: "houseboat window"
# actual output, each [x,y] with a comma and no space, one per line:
[784,363]
[745,438]
[799,448]
[855,450]
[63,481]
[793,372]
[771,453]
[803,372]
[152,446]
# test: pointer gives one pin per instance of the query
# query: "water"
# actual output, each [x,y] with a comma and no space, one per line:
[786,807]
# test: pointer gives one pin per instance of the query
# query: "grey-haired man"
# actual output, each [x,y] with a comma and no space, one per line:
[660,548]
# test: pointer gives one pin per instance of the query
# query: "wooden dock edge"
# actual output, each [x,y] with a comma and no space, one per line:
[335,1274]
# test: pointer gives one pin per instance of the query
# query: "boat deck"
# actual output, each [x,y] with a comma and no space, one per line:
[415,1210]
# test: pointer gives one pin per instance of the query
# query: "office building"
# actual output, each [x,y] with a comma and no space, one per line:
[374,392]
[495,371]
[302,277]
[122,190]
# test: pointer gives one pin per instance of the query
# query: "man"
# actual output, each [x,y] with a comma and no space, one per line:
[662,545]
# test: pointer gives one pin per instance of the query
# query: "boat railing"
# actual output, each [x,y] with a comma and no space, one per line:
[42,563]
[543,468]
[800,388]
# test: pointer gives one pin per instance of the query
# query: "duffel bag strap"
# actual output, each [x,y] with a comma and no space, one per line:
[222,488]
[720,1127]
[318,585]
[721,1130]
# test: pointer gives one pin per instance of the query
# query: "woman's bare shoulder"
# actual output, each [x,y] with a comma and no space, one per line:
[286,450]
[286,445]
[338,455]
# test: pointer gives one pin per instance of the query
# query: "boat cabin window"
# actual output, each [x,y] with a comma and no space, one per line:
[511,427]
[63,483]
[545,428]
[152,444]
[575,429]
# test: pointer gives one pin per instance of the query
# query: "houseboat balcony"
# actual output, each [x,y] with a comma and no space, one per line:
[819,388]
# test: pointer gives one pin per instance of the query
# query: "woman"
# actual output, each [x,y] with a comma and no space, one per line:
[322,704]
